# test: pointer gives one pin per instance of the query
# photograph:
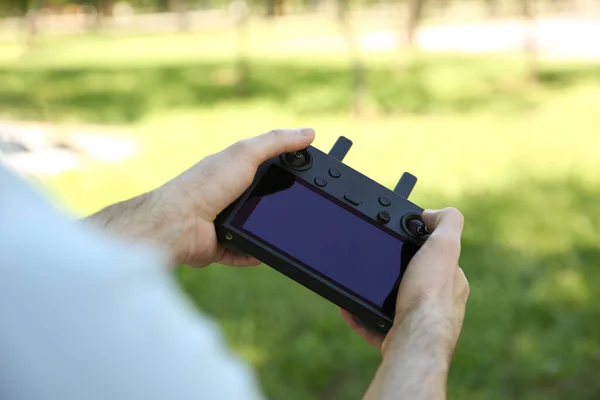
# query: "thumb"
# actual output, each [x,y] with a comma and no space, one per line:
[219,179]
[260,148]
[442,248]
[449,220]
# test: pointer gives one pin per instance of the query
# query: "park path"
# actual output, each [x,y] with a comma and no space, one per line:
[46,149]
[557,38]
[566,38]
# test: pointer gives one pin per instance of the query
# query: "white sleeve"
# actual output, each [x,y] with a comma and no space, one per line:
[85,317]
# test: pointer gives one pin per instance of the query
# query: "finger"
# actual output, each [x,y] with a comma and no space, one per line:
[460,298]
[373,339]
[445,219]
[461,286]
[350,321]
[442,248]
[260,148]
[232,259]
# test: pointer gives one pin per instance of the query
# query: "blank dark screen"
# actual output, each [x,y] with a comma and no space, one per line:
[291,216]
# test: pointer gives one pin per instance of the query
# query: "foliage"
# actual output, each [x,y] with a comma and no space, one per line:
[126,91]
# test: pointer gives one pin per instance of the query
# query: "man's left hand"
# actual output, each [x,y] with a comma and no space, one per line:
[180,215]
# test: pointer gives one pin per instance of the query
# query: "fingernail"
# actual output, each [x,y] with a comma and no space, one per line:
[306,131]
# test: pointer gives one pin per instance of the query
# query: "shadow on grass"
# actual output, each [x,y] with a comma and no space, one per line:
[560,78]
[531,253]
[532,256]
[126,95]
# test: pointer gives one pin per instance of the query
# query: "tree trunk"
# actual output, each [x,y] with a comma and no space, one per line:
[270,9]
[311,5]
[415,13]
[181,9]
[31,24]
[240,13]
[358,68]
[162,5]
[530,47]
[275,8]
[491,7]
[279,8]
[104,8]
[22,5]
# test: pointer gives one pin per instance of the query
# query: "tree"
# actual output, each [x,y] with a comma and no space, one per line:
[274,8]
[162,5]
[358,68]
[491,7]
[240,12]
[104,8]
[414,16]
[180,7]
[530,46]
[22,5]
[31,21]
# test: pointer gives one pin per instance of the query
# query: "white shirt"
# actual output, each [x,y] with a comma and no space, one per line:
[84,316]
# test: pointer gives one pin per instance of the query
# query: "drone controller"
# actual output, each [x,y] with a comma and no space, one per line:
[330,228]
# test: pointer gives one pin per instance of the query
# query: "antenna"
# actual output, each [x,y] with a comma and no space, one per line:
[405,185]
[340,148]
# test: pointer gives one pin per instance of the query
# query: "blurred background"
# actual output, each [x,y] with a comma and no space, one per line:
[493,104]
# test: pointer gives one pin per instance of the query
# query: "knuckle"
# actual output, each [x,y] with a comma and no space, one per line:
[446,242]
[241,145]
[277,137]
[246,148]
[465,288]
[275,133]
[455,214]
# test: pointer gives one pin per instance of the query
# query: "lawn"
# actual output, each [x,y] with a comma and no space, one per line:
[520,160]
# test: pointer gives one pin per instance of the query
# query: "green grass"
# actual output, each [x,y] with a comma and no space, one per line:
[520,161]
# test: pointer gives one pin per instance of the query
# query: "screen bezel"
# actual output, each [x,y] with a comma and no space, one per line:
[249,203]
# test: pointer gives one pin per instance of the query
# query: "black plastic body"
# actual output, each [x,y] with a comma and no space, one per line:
[351,182]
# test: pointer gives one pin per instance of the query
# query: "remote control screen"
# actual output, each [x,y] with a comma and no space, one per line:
[327,236]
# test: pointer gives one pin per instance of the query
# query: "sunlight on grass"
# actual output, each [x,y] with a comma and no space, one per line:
[269,43]
[449,154]
[10,53]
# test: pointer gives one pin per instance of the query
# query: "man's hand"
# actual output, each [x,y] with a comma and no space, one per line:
[180,215]
[429,314]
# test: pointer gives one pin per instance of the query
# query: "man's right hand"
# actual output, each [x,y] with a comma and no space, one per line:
[429,314]
[434,290]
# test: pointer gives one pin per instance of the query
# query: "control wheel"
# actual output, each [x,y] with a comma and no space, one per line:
[414,227]
[298,160]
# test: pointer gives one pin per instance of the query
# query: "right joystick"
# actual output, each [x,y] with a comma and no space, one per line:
[414,226]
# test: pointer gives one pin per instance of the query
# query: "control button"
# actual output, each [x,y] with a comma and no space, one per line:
[384,201]
[384,217]
[334,172]
[352,199]
[320,182]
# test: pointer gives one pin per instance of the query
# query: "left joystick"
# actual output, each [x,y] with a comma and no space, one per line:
[300,160]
